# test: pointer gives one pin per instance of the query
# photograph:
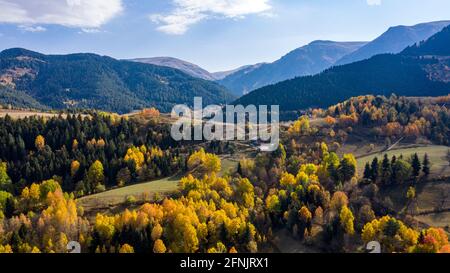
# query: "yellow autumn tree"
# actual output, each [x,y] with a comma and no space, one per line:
[126,248]
[204,163]
[393,234]
[339,200]
[5,249]
[288,180]
[75,145]
[74,167]
[135,155]
[39,142]
[273,203]
[347,219]
[300,127]
[157,232]
[95,175]
[159,247]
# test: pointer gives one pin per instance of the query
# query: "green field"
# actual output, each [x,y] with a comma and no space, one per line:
[438,156]
[432,201]
[229,165]
[441,220]
[429,195]
[117,196]
[112,198]
[284,242]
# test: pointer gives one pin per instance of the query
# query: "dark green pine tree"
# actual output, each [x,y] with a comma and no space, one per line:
[393,169]
[346,170]
[239,170]
[394,158]
[426,165]
[375,169]
[10,208]
[386,169]
[416,165]
[367,171]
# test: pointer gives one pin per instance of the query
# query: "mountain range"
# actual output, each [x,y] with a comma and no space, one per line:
[320,55]
[29,78]
[192,69]
[34,80]
[419,70]
[244,69]
[308,60]
[187,67]
[394,40]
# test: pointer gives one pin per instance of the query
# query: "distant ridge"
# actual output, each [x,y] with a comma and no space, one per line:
[308,60]
[187,67]
[222,75]
[421,70]
[394,40]
[99,82]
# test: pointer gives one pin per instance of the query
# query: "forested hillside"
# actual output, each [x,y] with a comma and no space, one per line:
[307,60]
[403,74]
[71,149]
[395,40]
[309,189]
[98,82]
[438,45]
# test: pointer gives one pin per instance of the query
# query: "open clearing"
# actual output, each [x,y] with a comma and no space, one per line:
[438,156]
[113,198]
[229,165]
[430,196]
[20,114]
[284,242]
[432,200]
[117,196]
[441,220]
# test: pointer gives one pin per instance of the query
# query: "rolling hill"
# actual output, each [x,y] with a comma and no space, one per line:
[100,82]
[193,69]
[308,60]
[417,71]
[187,67]
[394,41]
[438,45]
[223,74]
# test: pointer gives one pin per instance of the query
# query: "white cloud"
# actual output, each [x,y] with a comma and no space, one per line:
[32,28]
[373,2]
[189,12]
[90,30]
[70,13]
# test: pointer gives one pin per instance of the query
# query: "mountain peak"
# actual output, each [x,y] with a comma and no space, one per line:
[306,60]
[85,80]
[187,67]
[410,73]
[17,52]
[437,45]
[395,40]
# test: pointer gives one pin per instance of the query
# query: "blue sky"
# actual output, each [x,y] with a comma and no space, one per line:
[215,34]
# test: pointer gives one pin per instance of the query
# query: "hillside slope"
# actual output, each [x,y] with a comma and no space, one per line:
[395,40]
[93,81]
[187,67]
[308,60]
[404,74]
